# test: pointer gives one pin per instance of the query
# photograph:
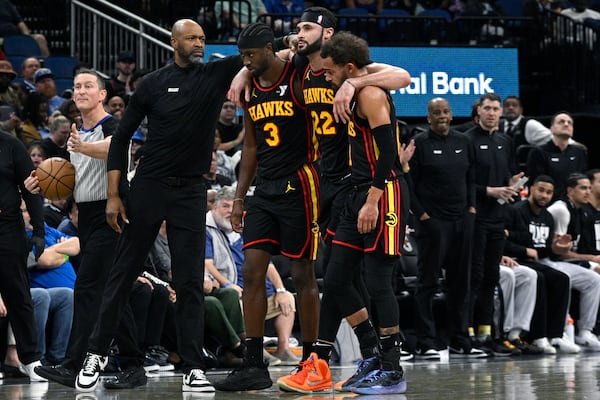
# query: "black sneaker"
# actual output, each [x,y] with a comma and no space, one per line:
[425,353]
[493,347]
[159,355]
[365,367]
[246,377]
[461,347]
[526,348]
[127,379]
[57,373]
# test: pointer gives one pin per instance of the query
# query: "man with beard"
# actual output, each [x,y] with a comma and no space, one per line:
[558,158]
[182,103]
[282,214]
[120,84]
[44,83]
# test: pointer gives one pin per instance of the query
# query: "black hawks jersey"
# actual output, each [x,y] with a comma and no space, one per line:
[364,152]
[284,142]
[333,142]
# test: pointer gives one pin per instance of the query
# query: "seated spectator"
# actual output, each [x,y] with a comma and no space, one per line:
[52,281]
[120,83]
[37,153]
[44,83]
[214,180]
[285,24]
[54,212]
[55,145]
[69,109]
[70,226]
[11,23]
[9,92]
[28,68]
[35,118]
[231,22]
[224,162]
[579,12]
[116,106]
[224,259]
[231,133]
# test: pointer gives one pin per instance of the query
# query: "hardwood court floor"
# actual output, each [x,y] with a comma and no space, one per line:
[519,378]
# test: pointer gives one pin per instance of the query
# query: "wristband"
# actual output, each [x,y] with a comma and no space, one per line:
[350,83]
[234,143]
[280,290]
[227,284]
[66,258]
[238,199]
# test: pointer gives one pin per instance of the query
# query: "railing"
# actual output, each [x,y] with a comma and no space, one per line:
[101,30]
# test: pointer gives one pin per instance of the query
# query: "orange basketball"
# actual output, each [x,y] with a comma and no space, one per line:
[57,178]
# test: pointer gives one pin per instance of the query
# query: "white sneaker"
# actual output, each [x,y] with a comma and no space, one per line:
[565,346]
[195,381]
[545,345]
[88,377]
[588,339]
[28,369]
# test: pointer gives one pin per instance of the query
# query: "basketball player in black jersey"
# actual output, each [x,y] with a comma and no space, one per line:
[281,216]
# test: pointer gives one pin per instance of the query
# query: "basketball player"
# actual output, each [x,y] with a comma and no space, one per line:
[282,215]
[88,147]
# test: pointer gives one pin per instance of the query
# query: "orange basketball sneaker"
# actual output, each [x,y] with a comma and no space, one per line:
[314,376]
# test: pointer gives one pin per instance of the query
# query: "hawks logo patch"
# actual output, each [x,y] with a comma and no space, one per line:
[391,219]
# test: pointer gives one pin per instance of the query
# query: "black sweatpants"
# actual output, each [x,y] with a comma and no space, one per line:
[182,203]
[443,244]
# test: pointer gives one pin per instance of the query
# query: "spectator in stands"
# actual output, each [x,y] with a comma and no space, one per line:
[224,259]
[120,83]
[116,106]
[214,180]
[37,153]
[44,83]
[54,212]
[55,145]
[442,165]
[284,24]
[69,109]
[11,23]
[558,158]
[231,133]
[9,92]
[28,68]
[372,6]
[535,8]
[224,162]
[580,12]
[521,129]
[70,226]
[53,277]
[242,14]
[35,118]
[530,237]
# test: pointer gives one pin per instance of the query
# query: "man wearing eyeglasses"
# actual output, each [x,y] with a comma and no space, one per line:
[558,158]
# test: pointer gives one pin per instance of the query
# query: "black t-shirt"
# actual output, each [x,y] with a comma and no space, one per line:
[229,133]
[528,230]
[182,106]
[589,243]
[52,150]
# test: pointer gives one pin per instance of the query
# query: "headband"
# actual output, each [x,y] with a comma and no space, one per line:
[318,18]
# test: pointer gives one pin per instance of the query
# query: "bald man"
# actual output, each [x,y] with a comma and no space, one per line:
[182,102]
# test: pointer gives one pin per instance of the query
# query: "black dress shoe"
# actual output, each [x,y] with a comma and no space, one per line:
[57,373]
[127,379]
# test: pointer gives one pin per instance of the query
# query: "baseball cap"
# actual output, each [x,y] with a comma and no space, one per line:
[6,68]
[126,56]
[41,74]
[138,136]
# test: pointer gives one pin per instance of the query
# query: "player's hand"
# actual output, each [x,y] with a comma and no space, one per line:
[40,244]
[32,183]
[74,143]
[237,216]
[114,209]
[367,218]
[341,102]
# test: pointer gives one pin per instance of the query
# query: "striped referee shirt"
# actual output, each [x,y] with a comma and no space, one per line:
[91,182]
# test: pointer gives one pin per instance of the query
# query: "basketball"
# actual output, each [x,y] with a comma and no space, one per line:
[57,178]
